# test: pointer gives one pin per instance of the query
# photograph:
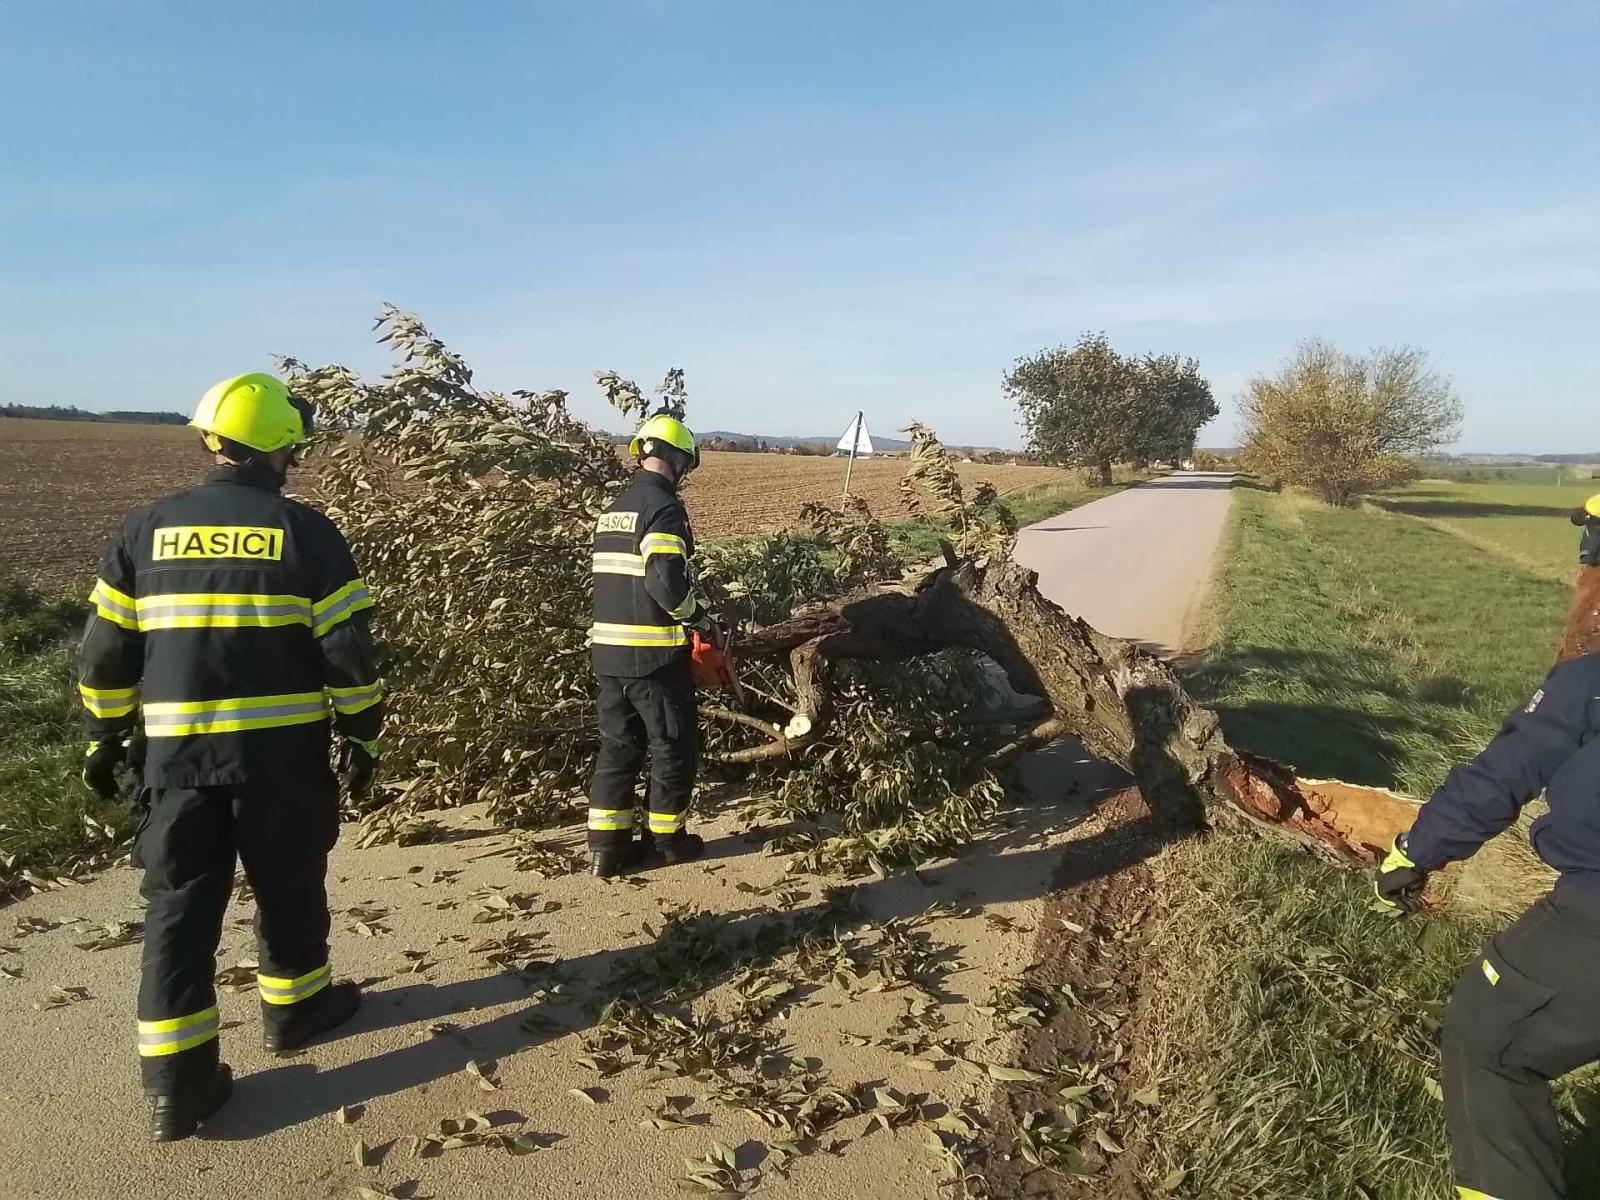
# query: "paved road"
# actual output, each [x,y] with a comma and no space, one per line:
[72,1121]
[1134,564]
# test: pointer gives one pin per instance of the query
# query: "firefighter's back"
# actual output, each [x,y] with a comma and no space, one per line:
[228,585]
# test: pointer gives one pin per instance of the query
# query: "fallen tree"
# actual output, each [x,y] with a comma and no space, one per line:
[471,513]
[1124,704]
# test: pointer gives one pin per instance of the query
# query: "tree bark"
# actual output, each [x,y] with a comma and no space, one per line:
[1124,704]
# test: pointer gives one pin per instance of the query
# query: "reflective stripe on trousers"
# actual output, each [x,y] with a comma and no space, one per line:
[157,1038]
[292,991]
[667,823]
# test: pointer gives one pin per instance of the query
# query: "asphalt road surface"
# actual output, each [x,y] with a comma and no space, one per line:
[417,925]
[1135,564]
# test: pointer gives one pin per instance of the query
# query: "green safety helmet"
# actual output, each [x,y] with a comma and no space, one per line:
[662,428]
[254,410]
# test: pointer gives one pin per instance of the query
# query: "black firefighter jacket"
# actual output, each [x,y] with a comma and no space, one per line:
[1551,745]
[643,589]
[230,621]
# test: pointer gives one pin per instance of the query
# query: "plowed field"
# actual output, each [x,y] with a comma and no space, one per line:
[64,485]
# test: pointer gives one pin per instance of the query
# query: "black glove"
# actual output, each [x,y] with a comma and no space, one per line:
[1400,881]
[357,765]
[100,765]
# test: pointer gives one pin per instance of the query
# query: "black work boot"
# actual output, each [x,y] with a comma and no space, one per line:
[177,1115]
[331,1007]
[611,861]
[681,848]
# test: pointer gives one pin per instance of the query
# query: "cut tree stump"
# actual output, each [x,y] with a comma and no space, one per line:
[1124,704]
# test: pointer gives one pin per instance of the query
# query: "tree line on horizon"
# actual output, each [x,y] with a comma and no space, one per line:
[1338,425]
[57,412]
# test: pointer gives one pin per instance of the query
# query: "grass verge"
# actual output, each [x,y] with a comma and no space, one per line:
[1523,523]
[1370,647]
[1292,1030]
[50,824]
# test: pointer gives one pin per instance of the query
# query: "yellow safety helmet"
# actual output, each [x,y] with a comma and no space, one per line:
[1592,505]
[662,428]
[254,410]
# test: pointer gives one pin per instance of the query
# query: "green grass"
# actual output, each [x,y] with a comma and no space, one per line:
[916,540]
[1525,523]
[50,823]
[1293,1030]
[1372,647]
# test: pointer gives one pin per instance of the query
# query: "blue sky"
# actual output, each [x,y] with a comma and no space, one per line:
[813,207]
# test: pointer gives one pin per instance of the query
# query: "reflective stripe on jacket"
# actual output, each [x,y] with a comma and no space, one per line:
[230,621]
[643,586]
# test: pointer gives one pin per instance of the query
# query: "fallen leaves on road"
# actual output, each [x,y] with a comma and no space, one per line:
[60,997]
[240,977]
[110,935]
[716,1172]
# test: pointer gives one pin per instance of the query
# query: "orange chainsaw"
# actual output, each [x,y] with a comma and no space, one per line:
[712,665]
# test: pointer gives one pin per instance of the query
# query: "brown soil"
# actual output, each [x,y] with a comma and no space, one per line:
[735,494]
[65,485]
[1090,938]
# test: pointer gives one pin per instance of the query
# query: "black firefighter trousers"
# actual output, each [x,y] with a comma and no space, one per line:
[654,712]
[281,831]
[1526,1012]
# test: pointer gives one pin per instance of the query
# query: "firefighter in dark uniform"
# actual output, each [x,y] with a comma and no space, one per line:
[229,625]
[644,608]
[1587,517]
[1528,1009]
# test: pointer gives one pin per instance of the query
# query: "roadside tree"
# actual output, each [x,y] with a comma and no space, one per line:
[1175,402]
[1088,406]
[1343,426]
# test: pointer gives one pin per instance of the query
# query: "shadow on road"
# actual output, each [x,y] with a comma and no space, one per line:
[997,871]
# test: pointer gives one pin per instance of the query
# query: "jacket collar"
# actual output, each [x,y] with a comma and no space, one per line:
[249,476]
[656,479]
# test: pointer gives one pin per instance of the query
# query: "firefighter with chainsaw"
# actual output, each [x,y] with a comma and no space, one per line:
[646,621]
[229,625]
[1527,1010]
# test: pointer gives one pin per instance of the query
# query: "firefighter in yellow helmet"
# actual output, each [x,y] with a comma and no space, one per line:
[1587,517]
[644,608]
[230,630]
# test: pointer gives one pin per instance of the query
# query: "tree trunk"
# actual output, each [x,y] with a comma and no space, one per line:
[1102,474]
[1124,704]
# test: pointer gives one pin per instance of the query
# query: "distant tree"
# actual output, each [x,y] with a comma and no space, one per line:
[1343,426]
[1088,406]
[1174,402]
